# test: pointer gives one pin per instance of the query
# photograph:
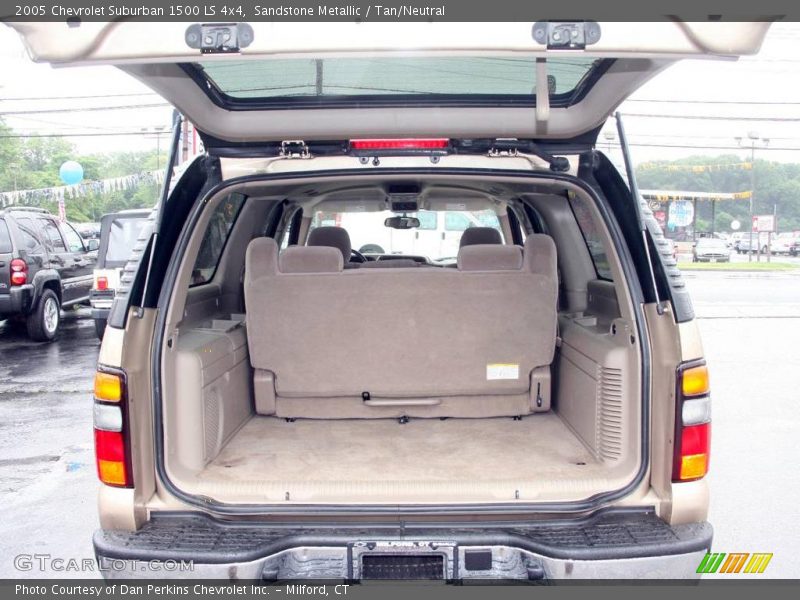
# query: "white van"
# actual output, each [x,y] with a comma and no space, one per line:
[437,238]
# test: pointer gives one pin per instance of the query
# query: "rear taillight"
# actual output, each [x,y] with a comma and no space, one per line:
[112,451]
[101,284]
[692,423]
[19,272]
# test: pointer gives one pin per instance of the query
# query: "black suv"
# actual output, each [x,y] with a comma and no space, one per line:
[44,265]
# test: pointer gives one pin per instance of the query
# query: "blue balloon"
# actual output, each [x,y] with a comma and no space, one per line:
[71,172]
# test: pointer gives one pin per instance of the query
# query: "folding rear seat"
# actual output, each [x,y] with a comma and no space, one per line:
[476,341]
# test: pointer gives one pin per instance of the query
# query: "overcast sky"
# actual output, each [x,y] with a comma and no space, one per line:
[723,89]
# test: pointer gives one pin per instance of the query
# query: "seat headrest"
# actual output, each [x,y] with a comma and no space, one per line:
[261,259]
[305,259]
[540,255]
[490,257]
[480,235]
[333,237]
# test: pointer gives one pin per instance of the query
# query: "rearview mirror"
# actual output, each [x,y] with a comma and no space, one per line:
[402,222]
[92,245]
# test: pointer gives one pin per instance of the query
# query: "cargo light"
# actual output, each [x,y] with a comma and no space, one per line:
[400,144]
[19,272]
[692,423]
[112,453]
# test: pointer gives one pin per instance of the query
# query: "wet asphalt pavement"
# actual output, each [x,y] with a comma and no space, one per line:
[47,477]
[751,333]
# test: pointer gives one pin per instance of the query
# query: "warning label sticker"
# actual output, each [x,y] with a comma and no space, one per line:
[502,371]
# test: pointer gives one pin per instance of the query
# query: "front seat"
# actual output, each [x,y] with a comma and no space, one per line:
[333,237]
[480,235]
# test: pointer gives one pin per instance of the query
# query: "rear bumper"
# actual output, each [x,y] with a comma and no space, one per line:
[101,301]
[17,301]
[721,258]
[618,545]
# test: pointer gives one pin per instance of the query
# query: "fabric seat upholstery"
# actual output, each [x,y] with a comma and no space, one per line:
[333,237]
[480,235]
[472,342]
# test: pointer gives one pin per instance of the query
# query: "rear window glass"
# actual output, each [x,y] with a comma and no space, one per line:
[438,236]
[5,238]
[428,220]
[215,238]
[73,238]
[500,75]
[53,234]
[30,239]
[122,236]
[588,227]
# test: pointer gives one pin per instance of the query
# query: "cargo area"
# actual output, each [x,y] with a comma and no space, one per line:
[386,454]
[510,373]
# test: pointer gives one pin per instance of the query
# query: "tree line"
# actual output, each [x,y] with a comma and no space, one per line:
[776,188]
[34,162]
[28,163]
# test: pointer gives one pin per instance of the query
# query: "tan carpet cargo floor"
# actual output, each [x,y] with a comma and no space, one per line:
[538,447]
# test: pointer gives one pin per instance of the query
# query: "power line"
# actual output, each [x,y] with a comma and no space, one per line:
[67,135]
[62,125]
[682,136]
[86,109]
[700,147]
[87,97]
[714,117]
[600,143]
[732,102]
[643,100]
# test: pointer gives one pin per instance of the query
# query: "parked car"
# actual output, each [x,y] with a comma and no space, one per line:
[794,244]
[736,237]
[310,413]
[88,230]
[711,250]
[118,235]
[761,243]
[45,265]
[784,243]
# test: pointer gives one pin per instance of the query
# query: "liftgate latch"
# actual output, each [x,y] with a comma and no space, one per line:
[575,35]
[219,38]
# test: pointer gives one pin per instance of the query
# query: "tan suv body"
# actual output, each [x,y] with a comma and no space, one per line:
[273,403]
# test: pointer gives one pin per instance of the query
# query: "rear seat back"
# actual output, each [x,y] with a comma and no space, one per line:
[419,342]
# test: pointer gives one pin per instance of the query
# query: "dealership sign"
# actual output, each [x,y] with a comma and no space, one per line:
[762,223]
[681,213]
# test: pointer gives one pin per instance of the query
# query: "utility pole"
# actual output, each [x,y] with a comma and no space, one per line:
[610,137]
[156,132]
[753,193]
[753,139]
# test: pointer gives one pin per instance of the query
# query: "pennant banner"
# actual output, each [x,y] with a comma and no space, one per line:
[696,168]
[672,196]
[79,190]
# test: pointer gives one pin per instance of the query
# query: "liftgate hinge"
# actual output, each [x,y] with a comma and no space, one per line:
[219,38]
[294,149]
[566,35]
